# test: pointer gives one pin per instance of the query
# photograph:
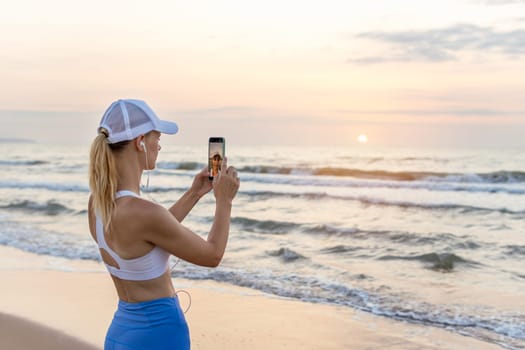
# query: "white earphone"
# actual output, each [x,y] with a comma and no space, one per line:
[143,144]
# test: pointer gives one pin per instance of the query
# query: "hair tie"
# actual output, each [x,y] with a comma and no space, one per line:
[103,131]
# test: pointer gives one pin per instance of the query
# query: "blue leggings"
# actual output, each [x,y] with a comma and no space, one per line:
[157,324]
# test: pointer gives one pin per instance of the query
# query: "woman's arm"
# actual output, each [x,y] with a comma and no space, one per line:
[180,241]
[184,205]
[167,233]
[200,186]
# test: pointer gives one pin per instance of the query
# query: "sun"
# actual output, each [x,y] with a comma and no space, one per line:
[362,138]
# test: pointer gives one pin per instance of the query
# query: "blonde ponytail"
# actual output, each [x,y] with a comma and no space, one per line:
[103,177]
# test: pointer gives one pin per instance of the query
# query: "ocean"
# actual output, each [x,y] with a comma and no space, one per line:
[428,236]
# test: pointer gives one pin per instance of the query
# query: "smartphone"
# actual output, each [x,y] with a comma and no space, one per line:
[216,154]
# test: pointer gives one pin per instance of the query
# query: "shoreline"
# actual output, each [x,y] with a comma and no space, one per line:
[74,300]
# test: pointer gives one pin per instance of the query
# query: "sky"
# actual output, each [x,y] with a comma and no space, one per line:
[407,73]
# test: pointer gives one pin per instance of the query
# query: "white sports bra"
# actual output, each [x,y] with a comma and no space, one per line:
[147,267]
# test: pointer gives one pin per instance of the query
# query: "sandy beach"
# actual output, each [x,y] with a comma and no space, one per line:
[53,303]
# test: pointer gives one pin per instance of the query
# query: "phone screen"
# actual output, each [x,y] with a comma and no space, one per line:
[216,153]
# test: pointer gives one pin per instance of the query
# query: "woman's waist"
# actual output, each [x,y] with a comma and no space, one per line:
[148,313]
[147,304]
[144,291]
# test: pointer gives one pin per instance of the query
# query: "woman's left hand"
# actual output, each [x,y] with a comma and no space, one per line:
[201,183]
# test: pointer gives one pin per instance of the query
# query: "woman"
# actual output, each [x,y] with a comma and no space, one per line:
[136,236]
[216,163]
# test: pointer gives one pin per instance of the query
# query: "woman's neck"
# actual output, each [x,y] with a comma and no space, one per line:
[130,172]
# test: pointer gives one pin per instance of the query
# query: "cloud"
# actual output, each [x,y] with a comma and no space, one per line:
[446,44]
[484,113]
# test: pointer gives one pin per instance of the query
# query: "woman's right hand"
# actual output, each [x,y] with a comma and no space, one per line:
[226,184]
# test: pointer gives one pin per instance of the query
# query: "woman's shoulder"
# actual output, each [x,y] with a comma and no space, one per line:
[142,218]
[137,206]
[140,209]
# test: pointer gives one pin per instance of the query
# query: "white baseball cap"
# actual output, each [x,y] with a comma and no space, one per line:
[128,119]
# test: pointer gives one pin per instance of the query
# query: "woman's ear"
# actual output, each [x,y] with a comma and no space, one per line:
[140,143]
